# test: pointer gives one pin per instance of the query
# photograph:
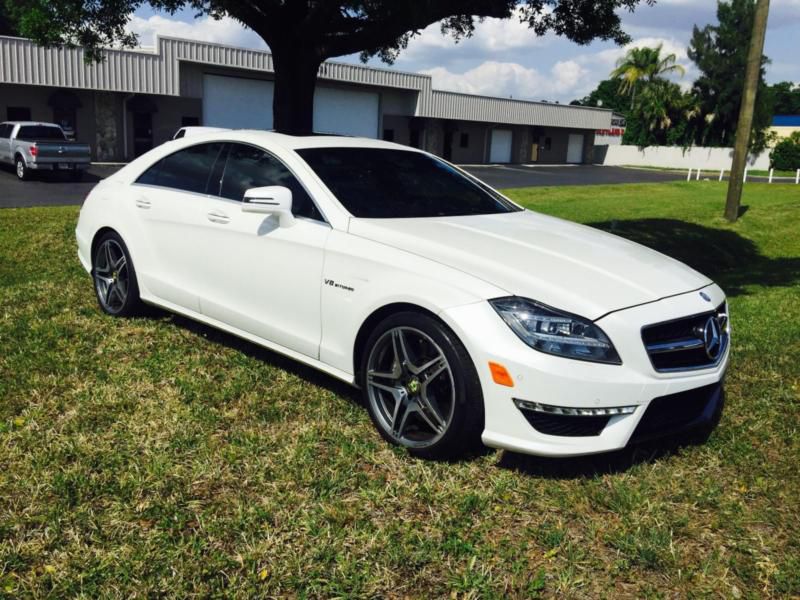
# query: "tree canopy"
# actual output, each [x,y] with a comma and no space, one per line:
[302,34]
[720,53]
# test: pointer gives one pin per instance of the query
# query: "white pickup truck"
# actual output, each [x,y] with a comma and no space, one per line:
[29,146]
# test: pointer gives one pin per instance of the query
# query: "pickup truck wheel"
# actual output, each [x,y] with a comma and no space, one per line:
[115,283]
[21,169]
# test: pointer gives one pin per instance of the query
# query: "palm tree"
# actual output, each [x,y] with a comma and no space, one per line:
[646,65]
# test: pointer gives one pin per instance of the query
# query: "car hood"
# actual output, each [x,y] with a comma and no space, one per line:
[572,267]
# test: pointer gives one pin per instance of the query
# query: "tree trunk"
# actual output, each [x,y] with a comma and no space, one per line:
[745,124]
[296,72]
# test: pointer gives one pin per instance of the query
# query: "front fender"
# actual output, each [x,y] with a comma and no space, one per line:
[361,276]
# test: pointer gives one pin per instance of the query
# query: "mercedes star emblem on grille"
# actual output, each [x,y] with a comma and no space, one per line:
[711,338]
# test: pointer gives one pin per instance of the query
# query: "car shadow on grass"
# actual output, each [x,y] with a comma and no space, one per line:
[250,349]
[731,260]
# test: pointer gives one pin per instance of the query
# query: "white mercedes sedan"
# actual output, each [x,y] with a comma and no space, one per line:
[460,315]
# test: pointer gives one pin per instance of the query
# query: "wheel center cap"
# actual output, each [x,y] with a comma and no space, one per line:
[413,386]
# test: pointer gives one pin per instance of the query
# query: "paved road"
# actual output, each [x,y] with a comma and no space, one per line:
[48,189]
[514,176]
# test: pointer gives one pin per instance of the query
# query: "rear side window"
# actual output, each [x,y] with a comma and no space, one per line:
[32,133]
[250,167]
[188,169]
[5,131]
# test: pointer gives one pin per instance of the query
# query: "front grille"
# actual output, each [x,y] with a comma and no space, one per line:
[679,345]
[666,415]
[566,425]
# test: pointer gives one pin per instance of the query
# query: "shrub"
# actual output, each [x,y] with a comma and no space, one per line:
[786,154]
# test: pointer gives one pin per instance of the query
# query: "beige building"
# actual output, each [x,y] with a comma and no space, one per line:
[136,99]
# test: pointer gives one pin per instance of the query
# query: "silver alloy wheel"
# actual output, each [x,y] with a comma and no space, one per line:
[111,275]
[20,169]
[410,387]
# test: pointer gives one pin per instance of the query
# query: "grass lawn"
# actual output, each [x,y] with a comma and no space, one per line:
[155,456]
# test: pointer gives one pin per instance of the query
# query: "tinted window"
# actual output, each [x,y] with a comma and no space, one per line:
[5,131]
[40,132]
[187,169]
[180,134]
[378,183]
[249,167]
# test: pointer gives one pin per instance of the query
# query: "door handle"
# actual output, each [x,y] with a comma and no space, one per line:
[217,216]
[143,203]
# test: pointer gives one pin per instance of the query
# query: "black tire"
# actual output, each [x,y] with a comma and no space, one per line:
[21,169]
[110,273]
[465,421]
[76,175]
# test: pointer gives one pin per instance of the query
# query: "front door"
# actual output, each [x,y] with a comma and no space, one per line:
[257,276]
[142,132]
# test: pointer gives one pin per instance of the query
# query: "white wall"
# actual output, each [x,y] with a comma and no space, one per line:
[675,157]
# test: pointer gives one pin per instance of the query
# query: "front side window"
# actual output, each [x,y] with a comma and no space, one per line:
[35,133]
[383,184]
[188,169]
[250,167]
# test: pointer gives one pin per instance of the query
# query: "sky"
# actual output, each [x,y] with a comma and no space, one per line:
[504,58]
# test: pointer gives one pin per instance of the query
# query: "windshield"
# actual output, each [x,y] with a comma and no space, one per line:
[383,184]
[40,132]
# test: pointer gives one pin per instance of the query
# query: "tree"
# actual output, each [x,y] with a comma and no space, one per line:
[786,154]
[785,98]
[753,71]
[645,65]
[302,34]
[720,53]
[607,94]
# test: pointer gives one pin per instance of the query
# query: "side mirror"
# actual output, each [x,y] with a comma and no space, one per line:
[270,200]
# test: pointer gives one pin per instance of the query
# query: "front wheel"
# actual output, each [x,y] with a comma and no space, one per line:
[421,388]
[115,283]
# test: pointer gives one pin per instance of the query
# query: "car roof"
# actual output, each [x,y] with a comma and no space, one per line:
[29,123]
[295,142]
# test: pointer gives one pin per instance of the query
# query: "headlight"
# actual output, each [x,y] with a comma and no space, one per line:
[554,332]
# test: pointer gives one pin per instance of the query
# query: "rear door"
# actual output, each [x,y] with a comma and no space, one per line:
[170,199]
[255,275]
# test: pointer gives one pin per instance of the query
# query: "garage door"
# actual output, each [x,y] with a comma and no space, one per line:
[237,102]
[346,112]
[575,148]
[500,149]
[241,103]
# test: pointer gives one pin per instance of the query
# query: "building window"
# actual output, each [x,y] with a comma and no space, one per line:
[19,113]
[464,141]
[388,135]
[548,143]
[66,119]
[190,121]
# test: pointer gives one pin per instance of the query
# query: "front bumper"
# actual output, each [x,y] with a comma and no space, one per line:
[561,382]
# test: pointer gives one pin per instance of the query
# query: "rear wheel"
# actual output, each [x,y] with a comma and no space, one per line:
[115,283]
[23,173]
[421,388]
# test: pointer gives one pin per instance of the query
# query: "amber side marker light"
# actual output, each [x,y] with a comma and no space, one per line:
[500,375]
